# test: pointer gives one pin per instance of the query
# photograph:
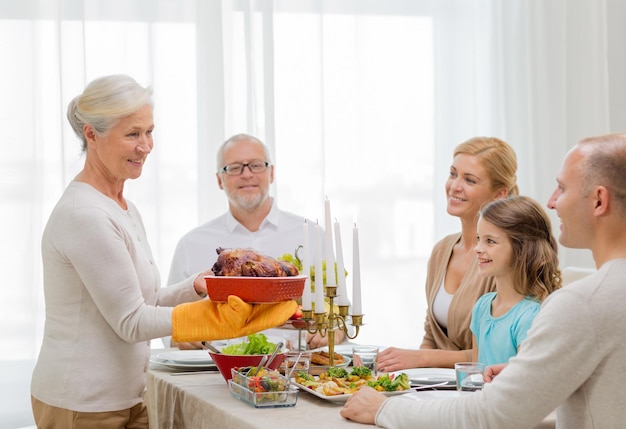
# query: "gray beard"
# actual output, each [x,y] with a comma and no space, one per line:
[248,204]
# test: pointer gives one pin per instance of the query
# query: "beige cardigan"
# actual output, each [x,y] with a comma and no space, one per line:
[459,336]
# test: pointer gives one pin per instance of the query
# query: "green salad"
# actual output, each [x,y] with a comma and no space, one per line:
[257,344]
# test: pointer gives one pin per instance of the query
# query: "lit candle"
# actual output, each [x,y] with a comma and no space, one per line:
[331,278]
[319,274]
[342,292]
[356,273]
[306,269]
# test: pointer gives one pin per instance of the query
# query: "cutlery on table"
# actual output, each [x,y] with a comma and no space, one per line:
[279,347]
[258,368]
[211,347]
[295,364]
[429,386]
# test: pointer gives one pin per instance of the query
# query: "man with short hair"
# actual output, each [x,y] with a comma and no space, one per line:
[574,358]
[253,220]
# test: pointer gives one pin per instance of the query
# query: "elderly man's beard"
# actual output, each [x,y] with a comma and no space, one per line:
[248,203]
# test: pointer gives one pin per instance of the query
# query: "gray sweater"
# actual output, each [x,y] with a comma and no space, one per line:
[574,359]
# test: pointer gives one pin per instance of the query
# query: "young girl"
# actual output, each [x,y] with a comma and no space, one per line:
[516,248]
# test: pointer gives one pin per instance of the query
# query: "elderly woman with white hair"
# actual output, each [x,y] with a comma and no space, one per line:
[102,288]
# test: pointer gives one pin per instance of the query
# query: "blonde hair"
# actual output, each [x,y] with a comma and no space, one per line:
[104,101]
[497,157]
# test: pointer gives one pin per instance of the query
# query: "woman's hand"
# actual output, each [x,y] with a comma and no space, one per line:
[363,406]
[394,359]
[197,345]
[199,284]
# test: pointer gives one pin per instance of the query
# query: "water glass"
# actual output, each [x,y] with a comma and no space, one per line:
[301,361]
[469,376]
[365,356]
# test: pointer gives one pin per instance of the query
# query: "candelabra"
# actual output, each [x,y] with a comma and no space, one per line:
[327,322]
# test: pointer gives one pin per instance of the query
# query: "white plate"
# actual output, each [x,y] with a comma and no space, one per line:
[425,395]
[316,369]
[424,376]
[186,357]
[182,366]
[346,349]
[341,398]
[342,349]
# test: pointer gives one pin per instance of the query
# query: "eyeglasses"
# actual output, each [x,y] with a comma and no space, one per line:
[256,166]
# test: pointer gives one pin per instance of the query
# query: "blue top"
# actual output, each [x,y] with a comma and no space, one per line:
[499,338]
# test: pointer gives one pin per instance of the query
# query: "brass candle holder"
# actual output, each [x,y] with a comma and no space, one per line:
[326,323]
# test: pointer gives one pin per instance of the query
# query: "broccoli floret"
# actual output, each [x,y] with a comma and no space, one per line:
[389,384]
[305,376]
[335,372]
[384,382]
[403,381]
[361,371]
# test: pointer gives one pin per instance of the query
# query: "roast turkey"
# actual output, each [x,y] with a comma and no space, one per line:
[250,263]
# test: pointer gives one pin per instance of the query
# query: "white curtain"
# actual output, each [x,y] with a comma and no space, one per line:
[361,101]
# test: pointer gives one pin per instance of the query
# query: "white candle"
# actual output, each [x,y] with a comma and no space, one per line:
[331,278]
[342,291]
[306,269]
[319,274]
[356,273]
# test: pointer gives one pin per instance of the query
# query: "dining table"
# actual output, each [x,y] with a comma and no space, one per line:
[200,399]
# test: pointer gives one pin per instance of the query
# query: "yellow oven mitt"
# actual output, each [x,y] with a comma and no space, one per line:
[207,320]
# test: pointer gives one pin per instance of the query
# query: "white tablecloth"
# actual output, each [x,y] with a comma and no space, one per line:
[204,400]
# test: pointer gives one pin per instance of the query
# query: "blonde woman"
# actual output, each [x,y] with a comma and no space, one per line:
[483,169]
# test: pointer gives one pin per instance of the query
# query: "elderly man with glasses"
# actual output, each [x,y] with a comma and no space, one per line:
[253,219]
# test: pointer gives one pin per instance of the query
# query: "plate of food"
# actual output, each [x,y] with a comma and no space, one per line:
[320,361]
[253,277]
[337,385]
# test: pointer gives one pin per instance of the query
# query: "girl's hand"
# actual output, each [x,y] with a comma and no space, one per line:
[492,371]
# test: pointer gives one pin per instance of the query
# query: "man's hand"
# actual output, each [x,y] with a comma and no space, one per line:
[316,340]
[363,406]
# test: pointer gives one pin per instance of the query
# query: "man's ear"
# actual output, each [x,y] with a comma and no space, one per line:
[219,181]
[602,198]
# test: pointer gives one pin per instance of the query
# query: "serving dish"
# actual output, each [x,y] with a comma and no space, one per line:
[255,290]
[287,398]
[225,363]
[315,369]
[341,398]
